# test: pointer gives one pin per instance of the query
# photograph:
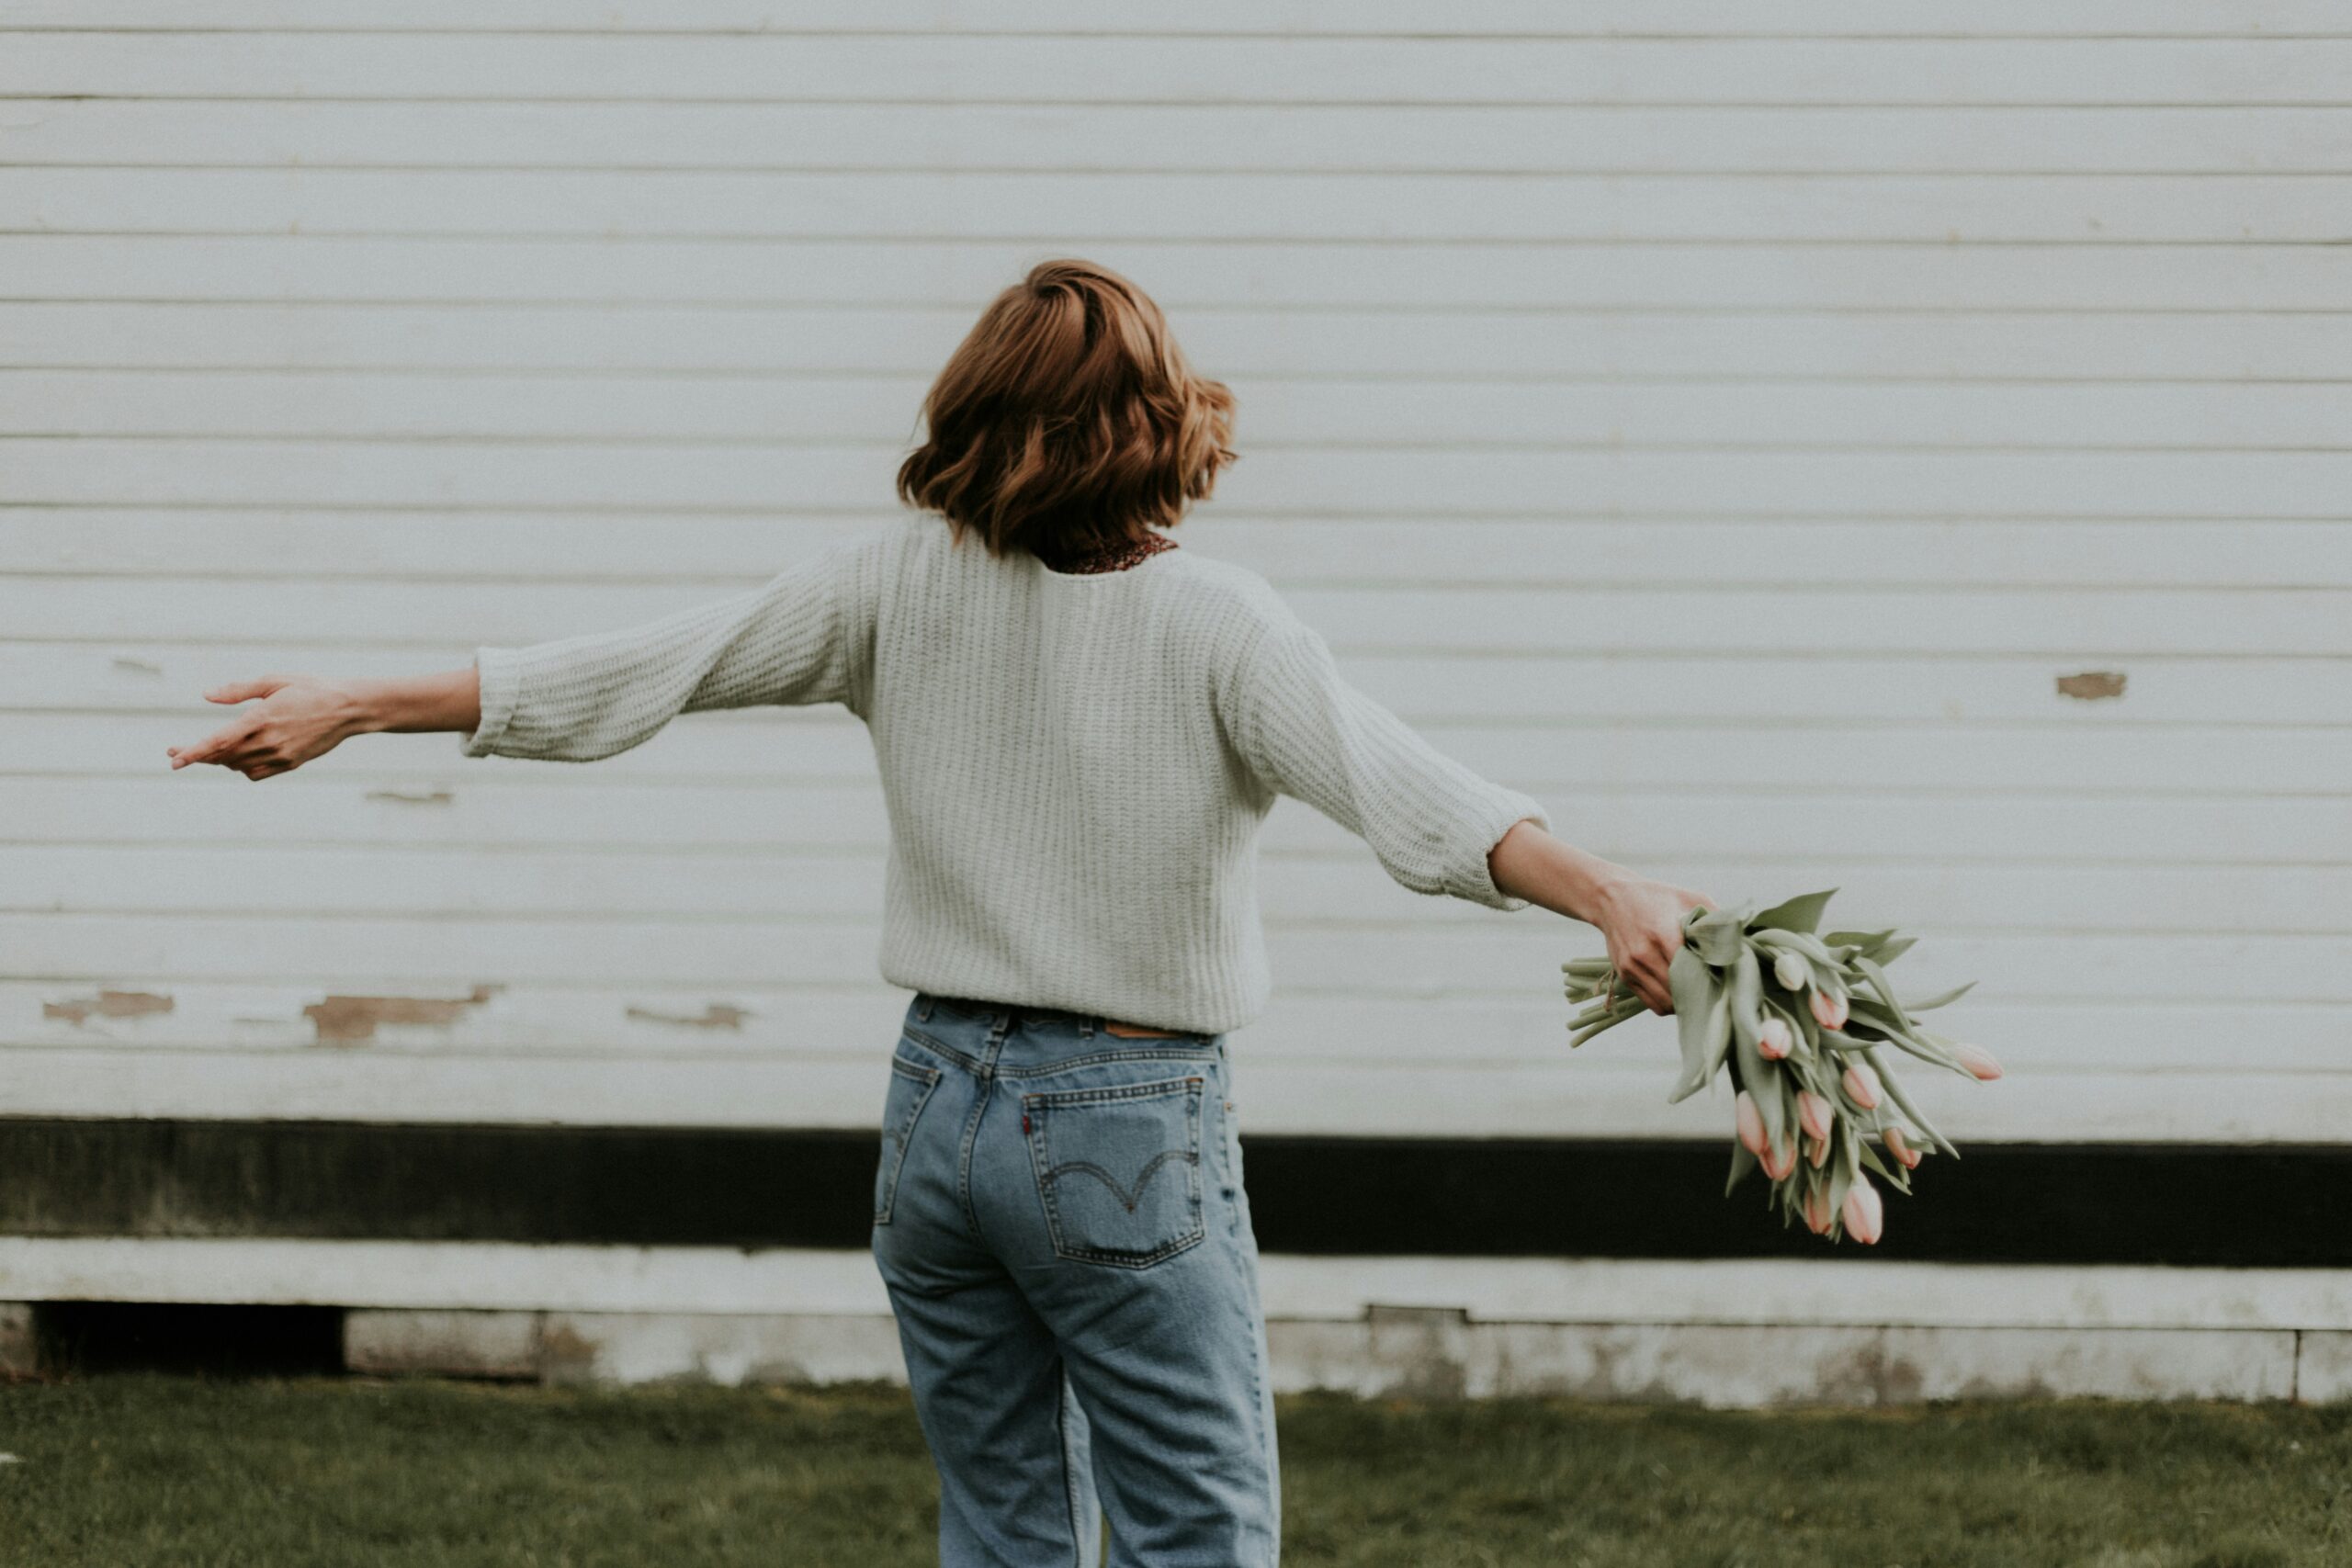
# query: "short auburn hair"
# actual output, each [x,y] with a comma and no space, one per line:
[1068,419]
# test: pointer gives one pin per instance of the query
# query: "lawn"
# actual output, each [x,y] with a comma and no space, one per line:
[136,1468]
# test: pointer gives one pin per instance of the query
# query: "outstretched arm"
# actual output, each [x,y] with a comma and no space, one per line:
[1437,826]
[298,718]
[796,640]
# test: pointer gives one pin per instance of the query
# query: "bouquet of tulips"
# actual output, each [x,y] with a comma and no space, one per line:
[1803,1022]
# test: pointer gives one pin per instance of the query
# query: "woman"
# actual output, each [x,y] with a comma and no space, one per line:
[1080,727]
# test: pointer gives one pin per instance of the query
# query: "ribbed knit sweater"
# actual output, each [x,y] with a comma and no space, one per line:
[1075,766]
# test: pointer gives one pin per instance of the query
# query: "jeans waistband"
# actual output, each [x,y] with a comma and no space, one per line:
[1005,1016]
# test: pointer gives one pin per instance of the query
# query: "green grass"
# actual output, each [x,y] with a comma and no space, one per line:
[134,1469]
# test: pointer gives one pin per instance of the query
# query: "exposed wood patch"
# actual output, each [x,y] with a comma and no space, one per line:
[413,797]
[343,1020]
[108,1004]
[715,1015]
[2092,686]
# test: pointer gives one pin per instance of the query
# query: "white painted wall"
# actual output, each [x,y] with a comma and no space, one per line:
[1728,425]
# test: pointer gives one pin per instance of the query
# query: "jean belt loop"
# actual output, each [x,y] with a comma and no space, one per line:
[1087,1022]
[923,1005]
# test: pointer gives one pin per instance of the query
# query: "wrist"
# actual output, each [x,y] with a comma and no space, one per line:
[357,708]
[1611,886]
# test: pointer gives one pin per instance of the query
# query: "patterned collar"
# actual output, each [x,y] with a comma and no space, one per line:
[1113,558]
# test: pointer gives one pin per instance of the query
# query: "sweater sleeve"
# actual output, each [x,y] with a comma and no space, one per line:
[579,698]
[1309,734]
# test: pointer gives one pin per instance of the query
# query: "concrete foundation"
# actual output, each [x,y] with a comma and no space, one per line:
[19,1353]
[1424,1353]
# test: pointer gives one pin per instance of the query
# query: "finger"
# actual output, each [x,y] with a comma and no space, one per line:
[221,746]
[244,690]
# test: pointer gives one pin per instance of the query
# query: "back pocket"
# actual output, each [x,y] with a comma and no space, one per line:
[1119,1170]
[911,1086]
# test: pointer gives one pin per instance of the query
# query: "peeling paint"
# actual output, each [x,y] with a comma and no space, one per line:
[2092,686]
[715,1015]
[137,666]
[108,1004]
[344,1021]
[409,797]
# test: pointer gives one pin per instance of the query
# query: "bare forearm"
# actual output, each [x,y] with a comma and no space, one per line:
[1528,863]
[298,718]
[1641,918]
[448,699]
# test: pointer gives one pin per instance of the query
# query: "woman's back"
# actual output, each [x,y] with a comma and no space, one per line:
[1076,766]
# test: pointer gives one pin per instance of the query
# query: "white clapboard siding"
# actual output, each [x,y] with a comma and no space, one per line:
[1700,20]
[1082,69]
[714,413]
[717,548]
[1896,448]
[1610,275]
[1344,138]
[1566,618]
[2179,208]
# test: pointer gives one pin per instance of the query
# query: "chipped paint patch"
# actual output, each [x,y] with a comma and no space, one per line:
[137,666]
[717,1015]
[2092,686]
[108,1004]
[346,1021]
[413,797]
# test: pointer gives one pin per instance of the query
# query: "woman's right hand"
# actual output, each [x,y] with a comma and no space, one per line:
[1643,921]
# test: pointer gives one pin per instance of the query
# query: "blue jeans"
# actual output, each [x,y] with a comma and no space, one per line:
[1060,1218]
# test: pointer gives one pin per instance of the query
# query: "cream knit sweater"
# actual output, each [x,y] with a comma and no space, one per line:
[1075,766]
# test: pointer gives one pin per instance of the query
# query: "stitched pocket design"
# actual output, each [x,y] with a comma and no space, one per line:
[911,1086]
[1119,1170]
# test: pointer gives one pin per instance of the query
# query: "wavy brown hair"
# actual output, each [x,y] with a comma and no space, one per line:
[1068,419]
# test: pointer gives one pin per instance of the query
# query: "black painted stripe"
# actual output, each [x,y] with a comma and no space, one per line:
[2208,1205]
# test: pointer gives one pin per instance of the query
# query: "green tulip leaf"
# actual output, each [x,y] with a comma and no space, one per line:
[1758,1077]
[1894,1176]
[1742,1162]
[1717,937]
[1903,1103]
[1693,986]
[1802,913]
[1944,1001]
[1886,989]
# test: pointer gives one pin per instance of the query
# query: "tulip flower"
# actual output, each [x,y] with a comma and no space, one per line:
[1750,1123]
[1829,1009]
[1814,1112]
[1979,1062]
[1792,971]
[1777,1159]
[1816,1152]
[1864,1215]
[1774,1040]
[1909,1157]
[1861,1085]
[1816,1210]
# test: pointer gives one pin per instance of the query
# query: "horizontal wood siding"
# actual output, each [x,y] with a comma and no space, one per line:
[1737,427]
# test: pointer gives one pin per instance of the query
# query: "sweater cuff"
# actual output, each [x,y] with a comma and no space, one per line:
[1506,811]
[501,681]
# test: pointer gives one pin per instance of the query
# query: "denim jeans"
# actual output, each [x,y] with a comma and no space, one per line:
[1060,1218]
